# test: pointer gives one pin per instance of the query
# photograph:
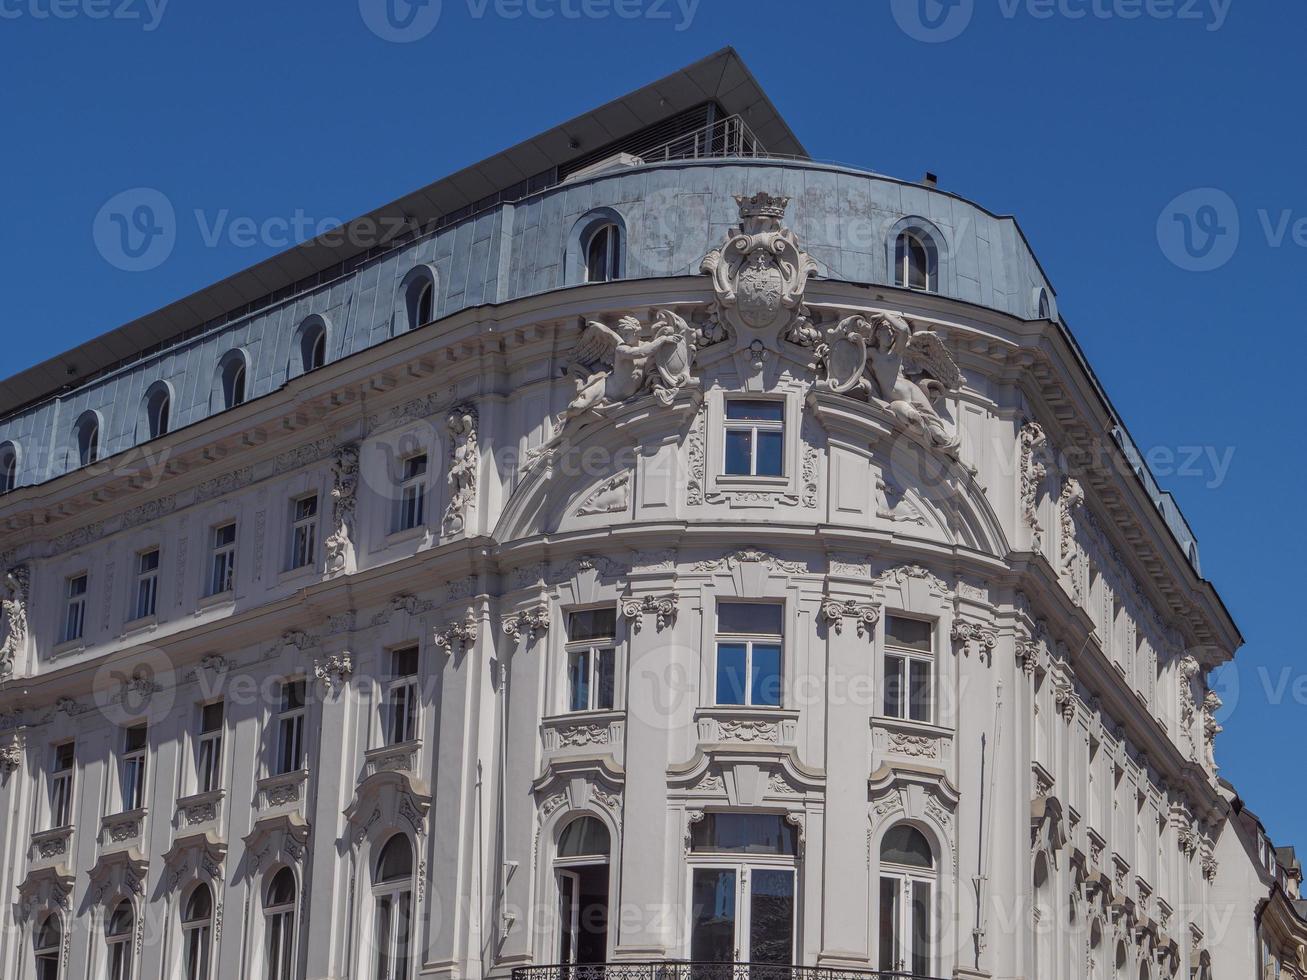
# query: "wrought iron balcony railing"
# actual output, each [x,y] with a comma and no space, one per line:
[685,970]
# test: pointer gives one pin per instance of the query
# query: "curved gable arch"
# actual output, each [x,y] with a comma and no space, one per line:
[578,240]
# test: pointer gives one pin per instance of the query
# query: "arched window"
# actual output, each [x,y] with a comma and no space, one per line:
[158,410]
[392,894]
[916,261]
[907,902]
[603,254]
[118,941]
[279,925]
[1043,309]
[1119,962]
[231,378]
[8,467]
[197,932]
[88,438]
[582,872]
[312,344]
[47,947]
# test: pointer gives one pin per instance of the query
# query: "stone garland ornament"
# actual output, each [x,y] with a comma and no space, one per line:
[463,464]
[458,635]
[532,622]
[11,754]
[333,671]
[835,611]
[14,607]
[663,608]
[966,635]
[344,495]
[1033,471]
[886,361]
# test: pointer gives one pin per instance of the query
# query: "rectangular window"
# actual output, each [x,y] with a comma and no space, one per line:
[755,437]
[304,532]
[591,659]
[290,728]
[131,768]
[400,711]
[61,786]
[749,636]
[909,669]
[223,577]
[75,608]
[410,506]
[147,584]
[208,749]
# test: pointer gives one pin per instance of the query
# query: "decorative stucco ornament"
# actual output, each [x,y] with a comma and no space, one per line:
[887,361]
[463,462]
[760,274]
[14,606]
[615,366]
[344,496]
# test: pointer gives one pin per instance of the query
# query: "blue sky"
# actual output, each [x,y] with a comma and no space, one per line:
[1087,119]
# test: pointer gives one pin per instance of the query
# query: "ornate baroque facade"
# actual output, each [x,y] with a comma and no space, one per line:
[719,590]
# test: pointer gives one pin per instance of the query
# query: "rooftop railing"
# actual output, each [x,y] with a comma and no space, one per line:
[686,970]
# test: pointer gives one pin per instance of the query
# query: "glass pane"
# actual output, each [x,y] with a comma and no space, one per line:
[894,687]
[592,624]
[605,680]
[567,916]
[292,695]
[404,663]
[402,926]
[771,917]
[584,837]
[757,618]
[384,928]
[771,445]
[755,410]
[906,845]
[743,833]
[765,684]
[921,928]
[919,690]
[211,717]
[396,861]
[731,659]
[712,923]
[889,924]
[914,634]
[739,452]
[578,681]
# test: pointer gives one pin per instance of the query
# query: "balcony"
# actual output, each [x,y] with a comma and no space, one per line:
[50,848]
[683,970]
[281,794]
[123,831]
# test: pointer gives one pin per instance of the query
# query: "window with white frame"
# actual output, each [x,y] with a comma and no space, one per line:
[392,897]
[279,925]
[61,785]
[88,438]
[233,379]
[603,254]
[131,768]
[290,728]
[208,748]
[591,659]
[197,932]
[47,947]
[749,637]
[916,262]
[118,941]
[907,903]
[304,531]
[8,467]
[755,437]
[74,607]
[909,669]
[147,584]
[410,504]
[222,565]
[400,706]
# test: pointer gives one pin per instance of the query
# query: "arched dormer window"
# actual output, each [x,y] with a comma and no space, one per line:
[118,941]
[596,249]
[156,410]
[231,380]
[8,467]
[907,902]
[88,438]
[47,946]
[310,352]
[416,299]
[279,925]
[916,262]
[197,933]
[1043,308]
[392,896]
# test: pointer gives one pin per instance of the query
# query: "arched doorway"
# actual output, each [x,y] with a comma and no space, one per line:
[581,868]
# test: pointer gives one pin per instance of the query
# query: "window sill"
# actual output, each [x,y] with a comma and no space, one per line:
[745,723]
[120,831]
[309,571]
[733,481]
[200,809]
[408,534]
[400,757]
[141,625]
[585,730]
[217,599]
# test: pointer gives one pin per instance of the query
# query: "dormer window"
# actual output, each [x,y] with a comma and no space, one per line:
[88,438]
[8,467]
[232,372]
[916,262]
[158,410]
[602,254]
[313,347]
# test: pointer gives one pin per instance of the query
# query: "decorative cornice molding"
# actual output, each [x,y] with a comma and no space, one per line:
[663,607]
[457,635]
[834,611]
[532,622]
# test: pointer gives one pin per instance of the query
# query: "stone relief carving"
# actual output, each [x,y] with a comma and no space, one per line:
[966,635]
[614,366]
[11,754]
[459,634]
[1033,471]
[532,622]
[737,730]
[752,556]
[1071,500]
[14,607]
[663,607]
[464,461]
[404,603]
[913,746]
[906,370]
[834,611]
[902,574]
[1189,669]
[333,671]
[1211,728]
[582,735]
[759,275]
[344,493]
[698,458]
[613,496]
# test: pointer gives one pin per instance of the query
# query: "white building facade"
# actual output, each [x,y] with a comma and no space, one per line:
[696,606]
